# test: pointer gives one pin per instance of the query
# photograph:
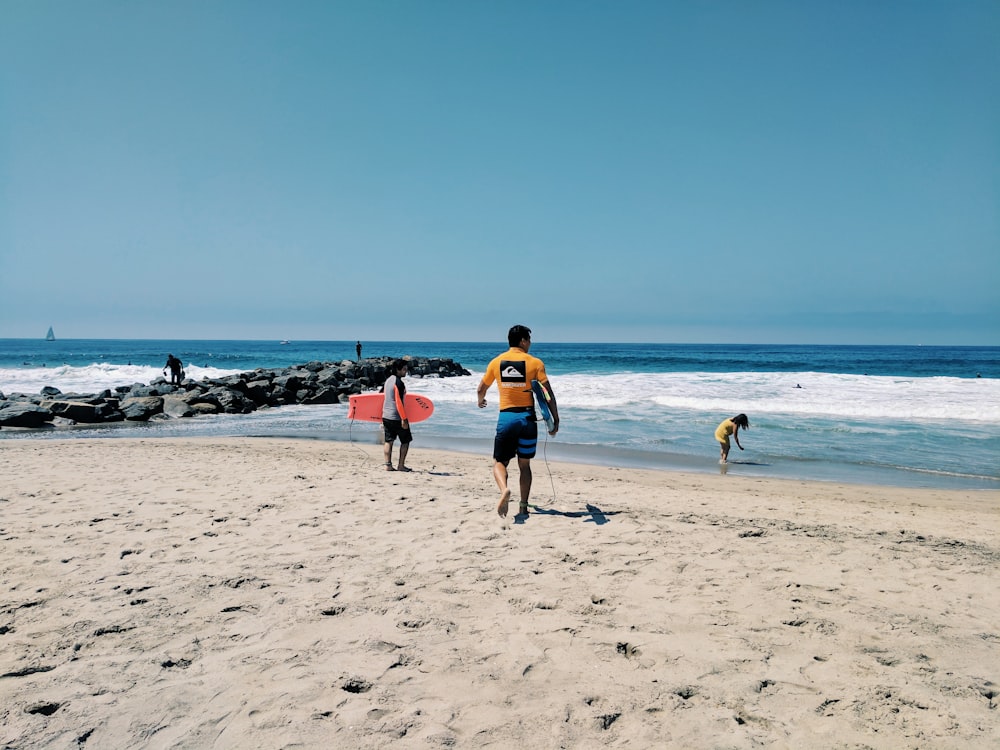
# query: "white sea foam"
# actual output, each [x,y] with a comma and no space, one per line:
[92,378]
[820,394]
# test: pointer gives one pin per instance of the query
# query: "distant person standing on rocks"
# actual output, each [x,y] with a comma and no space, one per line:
[357,348]
[394,421]
[176,372]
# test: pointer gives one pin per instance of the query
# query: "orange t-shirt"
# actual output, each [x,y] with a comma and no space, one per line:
[513,372]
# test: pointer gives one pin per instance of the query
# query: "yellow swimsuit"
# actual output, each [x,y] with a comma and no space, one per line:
[724,430]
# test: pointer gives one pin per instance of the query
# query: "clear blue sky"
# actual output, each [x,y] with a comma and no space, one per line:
[726,171]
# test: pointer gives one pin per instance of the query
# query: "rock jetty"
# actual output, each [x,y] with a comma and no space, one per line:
[310,383]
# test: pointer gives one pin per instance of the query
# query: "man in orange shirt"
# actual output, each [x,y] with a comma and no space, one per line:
[517,430]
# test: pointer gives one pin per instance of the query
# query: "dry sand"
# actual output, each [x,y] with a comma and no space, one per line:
[249,593]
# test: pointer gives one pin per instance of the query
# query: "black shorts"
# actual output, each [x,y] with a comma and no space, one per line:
[394,428]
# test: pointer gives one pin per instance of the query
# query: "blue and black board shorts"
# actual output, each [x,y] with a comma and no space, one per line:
[517,435]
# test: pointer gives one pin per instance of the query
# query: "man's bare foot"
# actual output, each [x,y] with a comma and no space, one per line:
[388,467]
[523,509]
[504,501]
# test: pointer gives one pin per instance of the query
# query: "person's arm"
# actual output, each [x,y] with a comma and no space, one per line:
[481,393]
[551,403]
[399,404]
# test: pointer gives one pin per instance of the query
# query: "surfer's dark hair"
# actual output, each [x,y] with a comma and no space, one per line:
[399,364]
[516,333]
[742,421]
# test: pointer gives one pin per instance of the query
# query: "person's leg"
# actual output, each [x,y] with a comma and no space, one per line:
[500,475]
[504,449]
[390,429]
[724,451]
[526,442]
[405,438]
[524,466]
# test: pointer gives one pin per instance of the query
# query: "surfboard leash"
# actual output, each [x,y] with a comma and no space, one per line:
[350,437]
[545,458]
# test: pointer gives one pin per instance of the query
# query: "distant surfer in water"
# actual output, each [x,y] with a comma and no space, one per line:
[517,431]
[394,421]
[729,427]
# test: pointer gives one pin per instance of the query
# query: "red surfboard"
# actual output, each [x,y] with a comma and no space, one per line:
[367,407]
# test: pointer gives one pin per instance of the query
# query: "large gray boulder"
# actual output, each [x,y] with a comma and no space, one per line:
[290,383]
[330,377]
[323,396]
[142,391]
[176,406]
[281,396]
[230,401]
[83,412]
[21,414]
[142,408]
[234,382]
[259,391]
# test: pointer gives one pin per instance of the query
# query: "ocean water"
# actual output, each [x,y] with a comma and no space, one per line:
[903,416]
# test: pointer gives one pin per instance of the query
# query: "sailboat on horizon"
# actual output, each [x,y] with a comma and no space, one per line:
[50,336]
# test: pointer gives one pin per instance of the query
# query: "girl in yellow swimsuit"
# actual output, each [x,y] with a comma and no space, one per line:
[730,427]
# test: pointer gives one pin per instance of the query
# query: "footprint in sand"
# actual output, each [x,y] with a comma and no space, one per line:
[356,685]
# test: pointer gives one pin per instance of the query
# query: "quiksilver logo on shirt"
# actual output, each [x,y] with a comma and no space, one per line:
[513,371]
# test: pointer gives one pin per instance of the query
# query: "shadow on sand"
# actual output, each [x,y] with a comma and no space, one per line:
[593,514]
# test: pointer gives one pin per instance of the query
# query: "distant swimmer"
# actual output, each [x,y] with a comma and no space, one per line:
[797,385]
[730,427]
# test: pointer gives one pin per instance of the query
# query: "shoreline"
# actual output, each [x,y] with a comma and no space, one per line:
[262,591]
[651,406]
